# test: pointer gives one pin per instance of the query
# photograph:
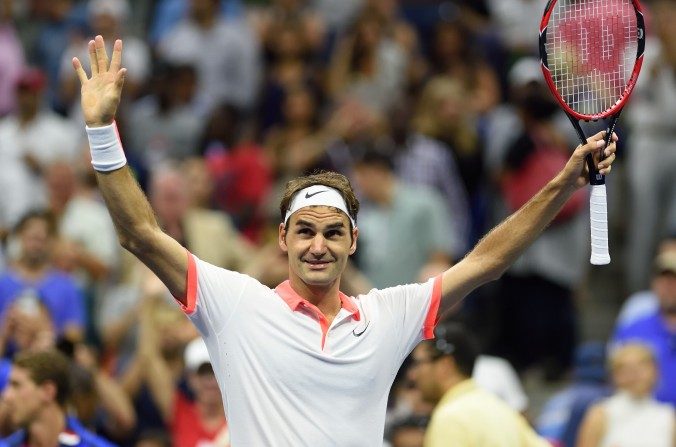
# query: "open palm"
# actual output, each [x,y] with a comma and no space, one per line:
[101,93]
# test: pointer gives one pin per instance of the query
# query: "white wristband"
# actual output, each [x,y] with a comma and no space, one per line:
[106,148]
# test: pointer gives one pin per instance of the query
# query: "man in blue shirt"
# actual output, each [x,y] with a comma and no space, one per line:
[35,398]
[658,329]
[31,281]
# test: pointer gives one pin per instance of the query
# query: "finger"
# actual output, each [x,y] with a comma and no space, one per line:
[119,79]
[116,60]
[611,149]
[91,48]
[101,55]
[79,70]
[606,163]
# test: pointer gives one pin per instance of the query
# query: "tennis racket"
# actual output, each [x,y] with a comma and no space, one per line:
[591,53]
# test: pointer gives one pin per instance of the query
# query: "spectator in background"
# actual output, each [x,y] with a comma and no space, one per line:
[225,53]
[631,417]
[107,18]
[423,160]
[651,186]
[645,302]
[207,233]
[88,245]
[30,138]
[11,59]
[455,55]
[562,414]
[535,304]
[31,280]
[61,21]
[163,126]
[658,329]
[465,415]
[368,65]
[37,396]
[240,173]
[402,227]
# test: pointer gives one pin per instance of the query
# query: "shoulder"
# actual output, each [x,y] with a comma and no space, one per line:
[644,326]
[89,439]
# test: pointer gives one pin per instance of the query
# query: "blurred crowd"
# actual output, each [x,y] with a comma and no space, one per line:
[436,111]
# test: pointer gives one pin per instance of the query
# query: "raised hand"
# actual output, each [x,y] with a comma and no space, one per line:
[101,93]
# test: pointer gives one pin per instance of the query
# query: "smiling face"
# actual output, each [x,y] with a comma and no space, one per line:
[318,243]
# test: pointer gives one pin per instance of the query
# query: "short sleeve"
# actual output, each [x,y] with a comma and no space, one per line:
[414,308]
[213,294]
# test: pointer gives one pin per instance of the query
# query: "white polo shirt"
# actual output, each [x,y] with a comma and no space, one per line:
[287,378]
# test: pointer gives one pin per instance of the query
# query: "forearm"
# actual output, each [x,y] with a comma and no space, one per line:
[506,242]
[131,213]
[115,402]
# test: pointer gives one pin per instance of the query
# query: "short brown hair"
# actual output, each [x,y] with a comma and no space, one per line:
[326,178]
[48,366]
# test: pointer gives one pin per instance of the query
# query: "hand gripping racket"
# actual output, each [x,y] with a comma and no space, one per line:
[591,53]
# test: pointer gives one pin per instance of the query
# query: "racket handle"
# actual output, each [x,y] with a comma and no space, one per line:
[599,225]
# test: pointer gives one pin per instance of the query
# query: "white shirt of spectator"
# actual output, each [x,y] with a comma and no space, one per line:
[286,376]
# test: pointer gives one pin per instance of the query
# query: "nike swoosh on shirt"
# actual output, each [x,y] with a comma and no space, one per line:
[308,195]
[358,334]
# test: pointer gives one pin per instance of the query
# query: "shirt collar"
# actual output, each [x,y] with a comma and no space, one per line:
[294,300]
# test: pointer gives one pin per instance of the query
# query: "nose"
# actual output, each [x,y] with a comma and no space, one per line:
[318,246]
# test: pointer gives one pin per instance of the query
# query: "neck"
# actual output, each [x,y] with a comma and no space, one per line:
[44,432]
[324,297]
[27,115]
[205,21]
[31,270]
[451,382]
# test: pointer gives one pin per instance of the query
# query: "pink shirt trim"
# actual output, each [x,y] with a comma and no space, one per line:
[431,319]
[296,302]
[190,298]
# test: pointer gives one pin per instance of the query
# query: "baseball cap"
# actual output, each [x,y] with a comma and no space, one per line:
[196,355]
[31,79]
[666,263]
[525,71]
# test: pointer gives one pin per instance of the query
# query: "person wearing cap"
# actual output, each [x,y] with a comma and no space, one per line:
[658,328]
[465,415]
[302,364]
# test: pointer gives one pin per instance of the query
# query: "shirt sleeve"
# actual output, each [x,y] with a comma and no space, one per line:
[413,309]
[213,295]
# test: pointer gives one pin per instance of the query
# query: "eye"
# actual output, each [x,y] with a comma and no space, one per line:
[333,233]
[304,231]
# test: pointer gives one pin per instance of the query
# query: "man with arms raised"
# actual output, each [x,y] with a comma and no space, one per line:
[302,364]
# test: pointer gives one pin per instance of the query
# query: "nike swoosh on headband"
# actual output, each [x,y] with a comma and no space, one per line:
[308,195]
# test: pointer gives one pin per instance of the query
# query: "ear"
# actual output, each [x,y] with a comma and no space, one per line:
[281,238]
[49,391]
[355,234]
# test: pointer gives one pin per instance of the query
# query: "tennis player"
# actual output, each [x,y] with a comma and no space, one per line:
[302,364]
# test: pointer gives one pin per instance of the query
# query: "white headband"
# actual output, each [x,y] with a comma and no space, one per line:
[318,195]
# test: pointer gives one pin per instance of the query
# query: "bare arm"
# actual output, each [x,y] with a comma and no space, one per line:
[593,428]
[135,223]
[493,255]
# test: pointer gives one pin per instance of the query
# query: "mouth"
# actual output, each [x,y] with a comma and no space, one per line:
[318,265]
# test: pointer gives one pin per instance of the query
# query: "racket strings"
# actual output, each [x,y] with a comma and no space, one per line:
[591,52]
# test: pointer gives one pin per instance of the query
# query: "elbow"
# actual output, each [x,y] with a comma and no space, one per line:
[135,240]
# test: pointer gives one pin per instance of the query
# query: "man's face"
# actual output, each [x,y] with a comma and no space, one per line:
[318,243]
[664,286]
[23,397]
[423,372]
[35,241]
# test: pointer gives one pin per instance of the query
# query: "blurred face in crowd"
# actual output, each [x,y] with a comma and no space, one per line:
[204,385]
[198,181]
[202,9]
[35,241]
[634,370]
[425,373]
[299,107]
[169,197]
[318,243]
[664,286]
[25,398]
